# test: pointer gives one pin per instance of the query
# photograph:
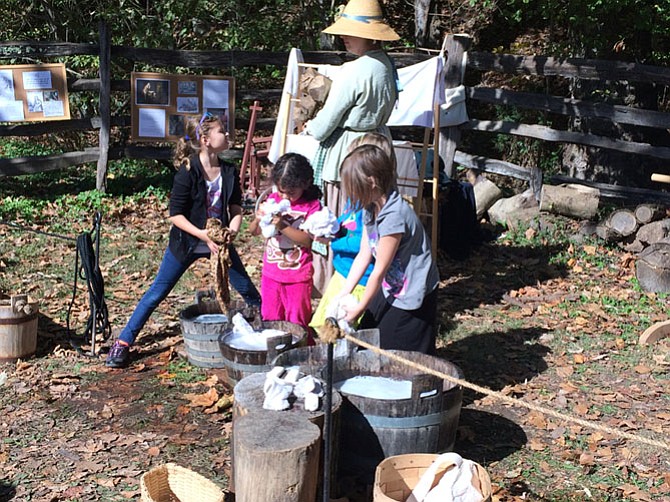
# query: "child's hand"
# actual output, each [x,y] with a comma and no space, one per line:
[279,221]
[213,246]
[353,312]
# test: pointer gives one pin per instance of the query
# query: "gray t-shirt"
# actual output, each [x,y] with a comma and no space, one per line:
[412,274]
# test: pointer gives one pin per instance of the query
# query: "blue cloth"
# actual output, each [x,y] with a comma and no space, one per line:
[169,273]
[346,248]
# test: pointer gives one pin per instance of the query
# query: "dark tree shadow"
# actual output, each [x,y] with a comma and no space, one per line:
[486,437]
[497,359]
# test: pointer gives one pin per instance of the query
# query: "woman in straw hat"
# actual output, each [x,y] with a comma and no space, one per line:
[361,99]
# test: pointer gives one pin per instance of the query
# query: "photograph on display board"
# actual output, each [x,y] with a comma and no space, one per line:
[176,125]
[187,87]
[152,92]
[35,100]
[6,86]
[188,104]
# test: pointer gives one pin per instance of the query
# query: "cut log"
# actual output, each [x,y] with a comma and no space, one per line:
[652,268]
[486,194]
[622,222]
[646,213]
[576,201]
[654,232]
[655,332]
[276,458]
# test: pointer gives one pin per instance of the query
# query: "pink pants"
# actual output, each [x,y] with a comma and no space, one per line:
[286,302]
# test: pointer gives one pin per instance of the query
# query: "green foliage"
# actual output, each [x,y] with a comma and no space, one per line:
[18,208]
[633,30]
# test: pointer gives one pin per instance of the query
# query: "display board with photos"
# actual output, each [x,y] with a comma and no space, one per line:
[32,93]
[161,103]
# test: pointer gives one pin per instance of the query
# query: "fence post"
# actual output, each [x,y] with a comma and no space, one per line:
[455,46]
[105,105]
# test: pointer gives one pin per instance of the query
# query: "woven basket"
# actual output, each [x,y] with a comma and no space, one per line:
[397,476]
[172,483]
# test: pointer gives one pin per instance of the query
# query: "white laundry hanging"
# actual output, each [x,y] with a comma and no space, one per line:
[290,90]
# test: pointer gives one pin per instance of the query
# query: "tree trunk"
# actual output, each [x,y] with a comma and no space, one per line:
[276,458]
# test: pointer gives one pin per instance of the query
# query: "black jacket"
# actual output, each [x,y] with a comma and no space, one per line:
[189,197]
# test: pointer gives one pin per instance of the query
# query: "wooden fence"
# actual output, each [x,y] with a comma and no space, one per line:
[228,61]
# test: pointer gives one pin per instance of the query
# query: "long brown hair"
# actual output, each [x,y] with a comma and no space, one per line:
[195,128]
[367,174]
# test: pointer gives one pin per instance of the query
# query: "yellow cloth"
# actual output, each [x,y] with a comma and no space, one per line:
[334,287]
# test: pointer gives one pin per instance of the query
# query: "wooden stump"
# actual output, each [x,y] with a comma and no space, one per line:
[652,268]
[249,397]
[577,201]
[276,458]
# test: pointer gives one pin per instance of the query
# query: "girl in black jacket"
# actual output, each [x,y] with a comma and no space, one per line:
[204,187]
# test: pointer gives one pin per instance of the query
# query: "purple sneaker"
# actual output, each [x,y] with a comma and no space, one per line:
[118,356]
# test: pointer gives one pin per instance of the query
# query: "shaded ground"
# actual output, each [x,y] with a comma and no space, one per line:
[561,333]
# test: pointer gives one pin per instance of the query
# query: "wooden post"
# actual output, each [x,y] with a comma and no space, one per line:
[276,458]
[248,148]
[105,105]
[455,46]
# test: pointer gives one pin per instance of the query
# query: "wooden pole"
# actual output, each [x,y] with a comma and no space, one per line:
[105,105]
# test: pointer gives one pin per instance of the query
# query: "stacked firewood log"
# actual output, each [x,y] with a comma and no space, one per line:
[644,230]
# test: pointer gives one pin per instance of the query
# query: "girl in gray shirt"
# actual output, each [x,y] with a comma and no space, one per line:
[401,293]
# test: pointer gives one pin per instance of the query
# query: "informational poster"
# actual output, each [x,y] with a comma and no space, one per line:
[161,103]
[31,93]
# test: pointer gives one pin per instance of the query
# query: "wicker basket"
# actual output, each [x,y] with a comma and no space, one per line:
[172,483]
[397,476]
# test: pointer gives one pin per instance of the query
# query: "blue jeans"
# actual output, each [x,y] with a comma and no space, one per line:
[169,273]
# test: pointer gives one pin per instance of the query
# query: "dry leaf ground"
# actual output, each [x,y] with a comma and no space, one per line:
[532,315]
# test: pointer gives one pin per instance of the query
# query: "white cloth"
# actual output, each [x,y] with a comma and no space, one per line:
[455,485]
[277,392]
[304,144]
[337,312]
[285,115]
[323,223]
[453,111]
[415,105]
[271,208]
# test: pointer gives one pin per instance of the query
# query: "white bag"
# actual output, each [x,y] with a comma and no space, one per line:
[455,485]
[453,112]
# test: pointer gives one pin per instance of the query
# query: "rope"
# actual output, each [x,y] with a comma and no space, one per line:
[90,272]
[510,400]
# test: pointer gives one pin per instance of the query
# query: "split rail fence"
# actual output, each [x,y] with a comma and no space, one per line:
[228,61]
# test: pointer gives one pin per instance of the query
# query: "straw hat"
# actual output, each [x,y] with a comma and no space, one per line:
[362,18]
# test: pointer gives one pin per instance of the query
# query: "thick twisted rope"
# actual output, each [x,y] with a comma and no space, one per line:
[510,400]
[220,262]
